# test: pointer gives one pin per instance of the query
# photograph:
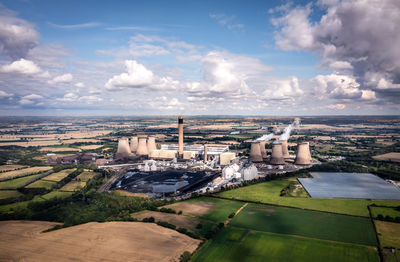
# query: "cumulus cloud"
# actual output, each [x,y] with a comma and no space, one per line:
[90,99]
[353,37]
[80,84]
[63,79]
[282,89]
[4,94]
[25,67]
[17,36]
[69,97]
[30,99]
[337,106]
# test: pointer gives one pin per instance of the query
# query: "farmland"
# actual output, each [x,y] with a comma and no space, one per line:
[9,193]
[5,168]
[112,241]
[238,244]
[73,186]
[59,175]
[42,184]
[17,182]
[385,211]
[313,224]
[24,172]
[269,193]
[389,234]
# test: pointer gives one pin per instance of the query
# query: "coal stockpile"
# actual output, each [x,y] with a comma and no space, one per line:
[163,183]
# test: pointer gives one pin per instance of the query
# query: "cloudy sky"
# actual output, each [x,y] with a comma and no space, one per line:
[94,57]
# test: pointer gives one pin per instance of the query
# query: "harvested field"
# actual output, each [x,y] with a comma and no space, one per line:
[73,185]
[6,168]
[395,157]
[177,220]
[59,149]
[42,184]
[112,241]
[90,147]
[126,193]
[198,208]
[25,171]
[59,175]
[389,233]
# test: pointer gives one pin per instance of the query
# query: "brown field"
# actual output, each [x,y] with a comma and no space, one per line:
[112,241]
[58,149]
[59,175]
[90,147]
[395,157]
[25,171]
[198,208]
[212,127]
[389,233]
[73,185]
[6,168]
[49,142]
[177,220]
[126,193]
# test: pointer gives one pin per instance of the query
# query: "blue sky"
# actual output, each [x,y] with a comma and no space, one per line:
[197,57]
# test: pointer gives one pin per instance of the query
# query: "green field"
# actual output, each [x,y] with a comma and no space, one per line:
[385,211]
[42,183]
[86,176]
[9,193]
[17,182]
[269,193]
[57,177]
[73,185]
[56,193]
[236,244]
[389,234]
[313,224]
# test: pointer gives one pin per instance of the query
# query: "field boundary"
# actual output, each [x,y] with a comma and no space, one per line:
[376,234]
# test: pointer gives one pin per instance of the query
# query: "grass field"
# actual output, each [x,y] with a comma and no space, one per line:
[389,233]
[57,177]
[56,193]
[9,193]
[207,208]
[25,171]
[269,193]
[5,168]
[388,256]
[86,176]
[17,182]
[236,244]
[42,183]
[385,211]
[313,224]
[73,186]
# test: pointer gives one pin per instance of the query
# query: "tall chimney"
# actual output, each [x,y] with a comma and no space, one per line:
[134,144]
[205,153]
[180,139]
[303,156]
[151,144]
[262,148]
[142,146]
[276,155]
[255,152]
[285,151]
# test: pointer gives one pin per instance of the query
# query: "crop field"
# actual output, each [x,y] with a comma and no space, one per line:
[5,168]
[313,224]
[385,211]
[56,193]
[57,177]
[25,171]
[17,182]
[269,193]
[395,157]
[112,241]
[175,219]
[90,147]
[212,209]
[9,193]
[389,233]
[59,149]
[73,186]
[86,176]
[238,244]
[42,183]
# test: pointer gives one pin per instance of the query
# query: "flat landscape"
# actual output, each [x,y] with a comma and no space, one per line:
[112,241]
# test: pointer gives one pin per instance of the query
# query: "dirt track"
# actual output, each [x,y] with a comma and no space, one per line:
[112,241]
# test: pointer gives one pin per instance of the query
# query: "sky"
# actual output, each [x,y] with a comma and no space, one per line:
[272,58]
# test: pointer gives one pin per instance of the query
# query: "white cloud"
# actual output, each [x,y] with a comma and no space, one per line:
[4,94]
[30,99]
[64,79]
[25,67]
[368,95]
[336,87]
[337,106]
[282,89]
[69,97]
[137,76]
[90,99]
[80,84]
[77,26]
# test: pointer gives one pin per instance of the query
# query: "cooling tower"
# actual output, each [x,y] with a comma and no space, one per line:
[262,148]
[205,153]
[180,139]
[285,151]
[123,147]
[303,156]
[151,144]
[134,144]
[255,152]
[142,146]
[277,155]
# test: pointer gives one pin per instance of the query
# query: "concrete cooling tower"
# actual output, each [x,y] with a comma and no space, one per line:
[277,155]
[285,151]
[134,143]
[151,144]
[142,146]
[262,149]
[255,152]
[303,156]
[123,147]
